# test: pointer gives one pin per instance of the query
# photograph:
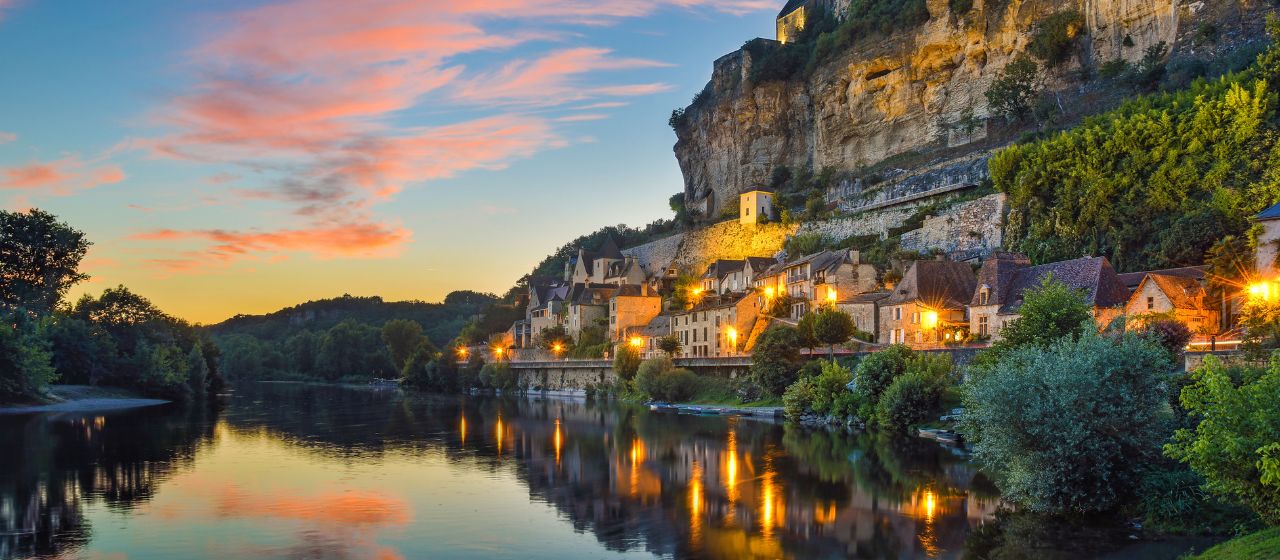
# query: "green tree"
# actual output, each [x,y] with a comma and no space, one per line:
[1054,37]
[1234,446]
[302,350]
[197,371]
[670,344]
[164,371]
[1049,311]
[626,361]
[39,260]
[877,371]
[82,353]
[1014,91]
[1067,427]
[776,361]
[401,336]
[831,327]
[25,361]
[351,348]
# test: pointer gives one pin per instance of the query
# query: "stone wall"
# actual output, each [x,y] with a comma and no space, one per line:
[692,251]
[966,230]
[564,375]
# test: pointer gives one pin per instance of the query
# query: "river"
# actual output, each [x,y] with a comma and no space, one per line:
[308,471]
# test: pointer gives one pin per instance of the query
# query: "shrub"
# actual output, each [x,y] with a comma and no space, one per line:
[910,399]
[1233,447]
[625,362]
[648,375]
[499,376]
[1064,428]
[1049,312]
[678,385]
[1055,36]
[798,398]
[877,371]
[776,361]
[25,367]
[1015,89]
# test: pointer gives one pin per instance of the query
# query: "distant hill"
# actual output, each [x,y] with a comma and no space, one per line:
[441,322]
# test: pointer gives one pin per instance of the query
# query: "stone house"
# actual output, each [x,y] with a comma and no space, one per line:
[626,272]
[632,306]
[1268,244]
[716,327]
[645,337]
[724,276]
[544,309]
[755,207]
[865,311]
[928,306]
[587,306]
[592,267]
[1182,297]
[825,277]
[1005,277]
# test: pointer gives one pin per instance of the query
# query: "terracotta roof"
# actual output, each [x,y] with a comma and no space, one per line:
[1185,293]
[1093,276]
[1132,279]
[937,283]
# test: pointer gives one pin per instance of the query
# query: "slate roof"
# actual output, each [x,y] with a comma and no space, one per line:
[1133,279]
[996,274]
[1184,292]
[1270,213]
[591,294]
[869,297]
[937,283]
[1093,276]
[633,290]
[658,326]
[791,6]
[723,267]
[760,264]
[609,250]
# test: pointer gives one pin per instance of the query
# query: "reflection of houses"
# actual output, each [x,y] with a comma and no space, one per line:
[928,305]
[1005,277]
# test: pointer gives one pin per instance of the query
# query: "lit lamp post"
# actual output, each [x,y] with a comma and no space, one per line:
[556,348]
[636,342]
[732,333]
[498,352]
[832,296]
[462,354]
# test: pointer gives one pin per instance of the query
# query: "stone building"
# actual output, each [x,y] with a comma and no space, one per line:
[632,306]
[1268,243]
[865,311]
[1005,277]
[755,207]
[587,306]
[1180,296]
[717,326]
[645,337]
[822,278]
[928,306]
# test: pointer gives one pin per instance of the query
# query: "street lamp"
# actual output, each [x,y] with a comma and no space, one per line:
[637,342]
[462,354]
[556,348]
[733,339]
[499,351]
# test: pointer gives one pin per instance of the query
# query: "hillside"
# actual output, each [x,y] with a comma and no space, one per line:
[441,322]
[862,96]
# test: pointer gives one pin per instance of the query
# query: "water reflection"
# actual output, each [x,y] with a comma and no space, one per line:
[299,471]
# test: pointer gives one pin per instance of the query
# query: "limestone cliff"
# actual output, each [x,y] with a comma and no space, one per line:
[904,93]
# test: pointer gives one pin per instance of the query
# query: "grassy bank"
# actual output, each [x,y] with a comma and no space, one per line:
[1254,546]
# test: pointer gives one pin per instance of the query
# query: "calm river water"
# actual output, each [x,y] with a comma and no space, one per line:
[299,471]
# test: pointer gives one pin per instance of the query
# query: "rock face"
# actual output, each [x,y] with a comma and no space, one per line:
[907,92]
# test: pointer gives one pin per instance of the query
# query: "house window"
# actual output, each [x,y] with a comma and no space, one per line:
[748,211]
[915,318]
[897,314]
[1151,302]
[982,325]
[919,337]
[984,296]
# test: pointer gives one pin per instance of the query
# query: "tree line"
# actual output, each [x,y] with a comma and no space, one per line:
[118,338]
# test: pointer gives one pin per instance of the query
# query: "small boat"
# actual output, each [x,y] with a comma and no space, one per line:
[948,437]
[928,433]
[662,407]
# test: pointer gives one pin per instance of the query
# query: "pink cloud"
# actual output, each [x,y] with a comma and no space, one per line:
[549,80]
[6,137]
[59,177]
[585,117]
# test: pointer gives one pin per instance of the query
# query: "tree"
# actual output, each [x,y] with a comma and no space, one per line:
[1234,445]
[197,371]
[1014,91]
[352,349]
[302,350]
[1049,311]
[164,372]
[1055,36]
[1066,427]
[776,360]
[625,362]
[82,353]
[25,364]
[877,371]
[552,336]
[39,260]
[670,344]
[402,336]
[831,327]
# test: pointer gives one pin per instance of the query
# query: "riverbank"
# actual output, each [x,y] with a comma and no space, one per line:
[1254,546]
[83,398]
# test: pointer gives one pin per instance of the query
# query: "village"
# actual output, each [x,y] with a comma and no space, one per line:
[938,303]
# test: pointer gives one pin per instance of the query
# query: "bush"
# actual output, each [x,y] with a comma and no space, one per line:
[1065,428]
[25,367]
[648,375]
[1233,447]
[877,371]
[1055,36]
[677,385]
[776,361]
[499,376]
[625,362]
[910,399]
[1015,89]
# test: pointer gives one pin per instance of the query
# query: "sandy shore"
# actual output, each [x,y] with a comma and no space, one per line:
[83,398]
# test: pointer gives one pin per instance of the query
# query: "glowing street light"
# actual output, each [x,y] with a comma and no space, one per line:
[499,351]
[462,353]
[732,333]
[831,294]
[1262,291]
[636,342]
[557,348]
[769,292]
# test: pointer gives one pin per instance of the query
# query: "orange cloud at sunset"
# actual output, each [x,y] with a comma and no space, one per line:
[343,240]
[59,177]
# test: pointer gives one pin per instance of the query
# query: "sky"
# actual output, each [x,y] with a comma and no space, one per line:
[237,157]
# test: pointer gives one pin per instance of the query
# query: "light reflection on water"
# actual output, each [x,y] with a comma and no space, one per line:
[299,471]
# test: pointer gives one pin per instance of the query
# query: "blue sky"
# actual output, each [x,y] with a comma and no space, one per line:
[239,157]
